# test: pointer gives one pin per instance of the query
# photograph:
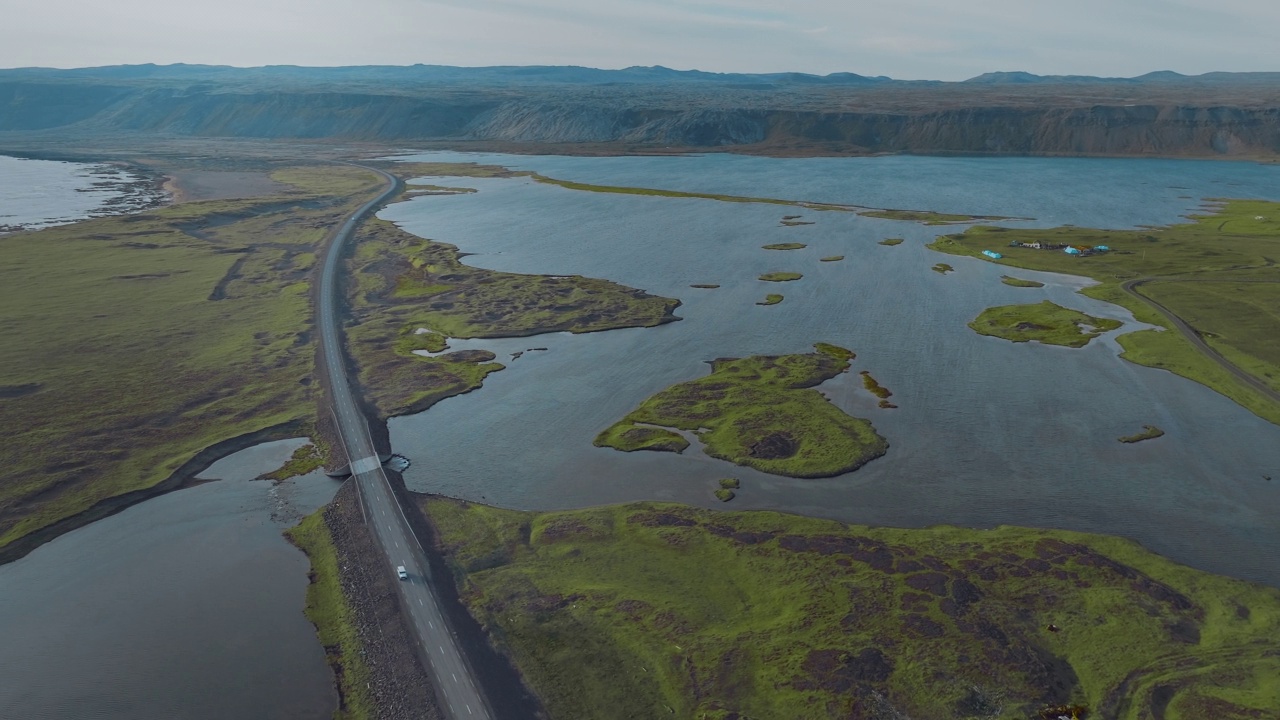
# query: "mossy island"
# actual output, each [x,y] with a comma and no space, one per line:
[705,286]
[659,610]
[1043,322]
[762,412]
[781,276]
[1149,432]
[892,241]
[1019,282]
[770,299]
[833,258]
[784,246]
[942,268]
[795,223]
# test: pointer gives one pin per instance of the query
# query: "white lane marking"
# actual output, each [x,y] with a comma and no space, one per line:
[433,625]
[441,649]
[469,710]
[364,465]
[419,601]
[455,676]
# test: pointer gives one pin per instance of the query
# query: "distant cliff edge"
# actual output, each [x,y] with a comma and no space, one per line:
[1000,113]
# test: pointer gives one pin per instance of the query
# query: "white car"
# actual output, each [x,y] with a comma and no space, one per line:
[404,574]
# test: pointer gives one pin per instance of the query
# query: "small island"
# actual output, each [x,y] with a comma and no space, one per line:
[942,268]
[771,299]
[1149,432]
[1043,322]
[892,241]
[781,276]
[1019,282]
[833,258]
[761,412]
[704,286]
[784,246]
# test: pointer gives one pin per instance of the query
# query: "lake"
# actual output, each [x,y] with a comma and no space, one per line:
[36,194]
[988,432]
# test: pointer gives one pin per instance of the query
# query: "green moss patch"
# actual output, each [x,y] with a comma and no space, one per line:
[327,608]
[892,241]
[874,387]
[784,246]
[629,437]
[1149,432]
[1019,282]
[762,412]
[771,299]
[724,495]
[781,276]
[657,611]
[305,459]
[730,483]
[833,258]
[942,268]
[1043,322]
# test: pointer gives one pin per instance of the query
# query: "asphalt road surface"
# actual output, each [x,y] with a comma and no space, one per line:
[457,689]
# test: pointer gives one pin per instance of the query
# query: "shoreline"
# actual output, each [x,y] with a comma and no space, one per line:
[147,189]
[182,478]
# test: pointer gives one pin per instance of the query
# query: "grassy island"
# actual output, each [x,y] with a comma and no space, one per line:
[892,241]
[704,286]
[874,387]
[833,258]
[942,268]
[1149,432]
[762,412]
[1043,322]
[1019,282]
[784,246]
[305,459]
[1215,273]
[781,276]
[657,611]
[771,299]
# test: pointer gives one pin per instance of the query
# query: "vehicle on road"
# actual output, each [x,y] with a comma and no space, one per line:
[404,574]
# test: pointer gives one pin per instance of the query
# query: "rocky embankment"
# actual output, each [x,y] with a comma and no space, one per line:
[401,689]
[1164,114]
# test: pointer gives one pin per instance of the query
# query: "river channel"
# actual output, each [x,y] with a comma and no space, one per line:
[187,606]
[987,432]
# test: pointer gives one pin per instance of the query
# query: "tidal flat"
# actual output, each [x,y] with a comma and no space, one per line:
[959,453]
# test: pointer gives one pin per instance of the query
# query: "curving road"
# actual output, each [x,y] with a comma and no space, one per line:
[456,686]
[1130,287]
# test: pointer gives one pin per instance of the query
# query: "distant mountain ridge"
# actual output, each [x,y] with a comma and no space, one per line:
[637,108]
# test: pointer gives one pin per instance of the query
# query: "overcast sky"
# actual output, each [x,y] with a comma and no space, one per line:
[908,39]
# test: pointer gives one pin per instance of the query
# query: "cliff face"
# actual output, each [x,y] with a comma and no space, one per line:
[931,119]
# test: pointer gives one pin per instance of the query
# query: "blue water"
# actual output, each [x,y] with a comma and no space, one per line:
[36,194]
[988,432]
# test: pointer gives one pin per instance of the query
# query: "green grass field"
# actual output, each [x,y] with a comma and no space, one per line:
[658,611]
[134,342]
[328,609]
[1043,322]
[1217,272]
[762,412]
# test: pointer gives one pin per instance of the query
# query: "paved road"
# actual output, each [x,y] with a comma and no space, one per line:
[457,689]
[1190,333]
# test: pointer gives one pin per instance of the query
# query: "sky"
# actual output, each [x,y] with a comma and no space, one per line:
[905,39]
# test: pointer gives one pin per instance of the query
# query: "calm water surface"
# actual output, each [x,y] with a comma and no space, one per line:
[43,193]
[988,432]
[185,606]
